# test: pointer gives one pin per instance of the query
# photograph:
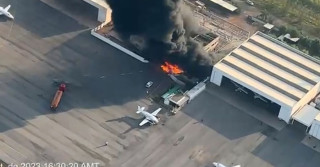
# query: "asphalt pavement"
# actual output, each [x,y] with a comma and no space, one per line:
[45,44]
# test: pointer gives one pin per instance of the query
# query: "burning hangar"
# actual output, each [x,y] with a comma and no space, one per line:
[276,73]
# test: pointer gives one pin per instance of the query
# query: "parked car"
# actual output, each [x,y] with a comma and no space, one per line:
[149,84]
[250,2]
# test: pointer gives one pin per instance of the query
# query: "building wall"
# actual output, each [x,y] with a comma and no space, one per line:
[216,77]
[114,44]
[195,91]
[315,129]
[285,113]
[211,45]
[104,13]
[306,99]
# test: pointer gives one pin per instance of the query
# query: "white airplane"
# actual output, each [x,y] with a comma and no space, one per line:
[151,118]
[216,164]
[5,11]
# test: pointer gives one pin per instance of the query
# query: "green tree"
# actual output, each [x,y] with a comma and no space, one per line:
[304,43]
[293,32]
[314,47]
[282,30]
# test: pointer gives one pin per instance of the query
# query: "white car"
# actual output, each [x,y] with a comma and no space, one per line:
[250,2]
[149,84]
[216,164]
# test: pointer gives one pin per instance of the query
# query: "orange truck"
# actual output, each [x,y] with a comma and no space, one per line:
[57,97]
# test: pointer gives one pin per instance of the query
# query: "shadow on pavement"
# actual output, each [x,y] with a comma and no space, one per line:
[132,122]
[279,148]
[99,76]
[222,117]
[285,149]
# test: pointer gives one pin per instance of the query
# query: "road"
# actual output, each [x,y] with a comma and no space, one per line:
[44,44]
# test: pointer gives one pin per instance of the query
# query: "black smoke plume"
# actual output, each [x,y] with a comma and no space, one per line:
[165,27]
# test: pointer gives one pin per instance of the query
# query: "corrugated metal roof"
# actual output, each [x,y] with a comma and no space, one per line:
[275,69]
[171,91]
[225,4]
[179,99]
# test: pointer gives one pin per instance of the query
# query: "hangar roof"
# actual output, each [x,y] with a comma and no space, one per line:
[274,68]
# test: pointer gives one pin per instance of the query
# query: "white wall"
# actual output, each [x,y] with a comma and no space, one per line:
[315,129]
[285,113]
[216,76]
[104,13]
[195,91]
[105,39]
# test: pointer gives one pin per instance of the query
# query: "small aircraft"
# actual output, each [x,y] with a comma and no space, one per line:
[240,88]
[5,11]
[151,118]
[216,164]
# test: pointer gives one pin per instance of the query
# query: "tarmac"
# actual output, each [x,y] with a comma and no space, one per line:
[43,45]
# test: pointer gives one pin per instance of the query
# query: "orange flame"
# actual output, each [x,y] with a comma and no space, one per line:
[171,68]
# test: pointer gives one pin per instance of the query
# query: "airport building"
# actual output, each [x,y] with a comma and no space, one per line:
[104,11]
[275,73]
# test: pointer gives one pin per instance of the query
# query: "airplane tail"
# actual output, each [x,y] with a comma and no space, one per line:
[139,110]
[7,8]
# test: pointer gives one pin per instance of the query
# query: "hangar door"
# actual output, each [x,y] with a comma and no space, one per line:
[250,96]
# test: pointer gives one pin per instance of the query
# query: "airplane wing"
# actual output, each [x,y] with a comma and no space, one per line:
[7,8]
[143,122]
[156,112]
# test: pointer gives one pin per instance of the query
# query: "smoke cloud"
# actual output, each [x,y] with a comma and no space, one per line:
[165,26]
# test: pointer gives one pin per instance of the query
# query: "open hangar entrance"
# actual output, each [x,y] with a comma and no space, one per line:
[250,96]
[272,71]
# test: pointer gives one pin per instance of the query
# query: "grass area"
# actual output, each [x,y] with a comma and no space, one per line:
[304,14]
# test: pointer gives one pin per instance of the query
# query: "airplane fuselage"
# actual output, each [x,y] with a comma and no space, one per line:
[150,117]
[5,12]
